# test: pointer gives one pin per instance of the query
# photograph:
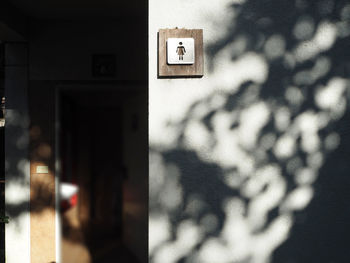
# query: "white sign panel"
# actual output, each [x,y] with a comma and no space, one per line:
[180,51]
[41,169]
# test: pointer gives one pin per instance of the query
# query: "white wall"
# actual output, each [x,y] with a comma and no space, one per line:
[235,155]
[174,96]
[17,174]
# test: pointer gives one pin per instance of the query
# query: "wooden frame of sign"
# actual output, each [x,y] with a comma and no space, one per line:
[180,71]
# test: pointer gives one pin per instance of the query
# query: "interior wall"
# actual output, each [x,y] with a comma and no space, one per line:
[63,50]
[42,185]
[135,196]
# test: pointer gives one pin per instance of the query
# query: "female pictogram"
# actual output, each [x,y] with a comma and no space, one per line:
[181,51]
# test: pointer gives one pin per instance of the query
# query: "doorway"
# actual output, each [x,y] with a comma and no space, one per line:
[103,149]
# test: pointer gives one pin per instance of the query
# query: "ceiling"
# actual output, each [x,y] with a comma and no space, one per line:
[81,9]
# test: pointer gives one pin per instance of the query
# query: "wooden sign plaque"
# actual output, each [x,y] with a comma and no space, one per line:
[167,70]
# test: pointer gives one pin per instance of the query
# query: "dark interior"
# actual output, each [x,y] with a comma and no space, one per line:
[93,137]
[84,65]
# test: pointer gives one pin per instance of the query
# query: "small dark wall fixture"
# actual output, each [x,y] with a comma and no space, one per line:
[104,65]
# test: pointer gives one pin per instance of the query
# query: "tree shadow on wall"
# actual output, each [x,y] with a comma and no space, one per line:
[261,168]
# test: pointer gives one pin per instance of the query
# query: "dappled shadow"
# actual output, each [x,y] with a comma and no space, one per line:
[258,169]
[16,164]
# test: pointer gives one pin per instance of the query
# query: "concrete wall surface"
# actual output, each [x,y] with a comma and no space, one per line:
[250,162]
[17,166]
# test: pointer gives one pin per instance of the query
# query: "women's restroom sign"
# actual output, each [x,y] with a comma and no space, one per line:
[180,51]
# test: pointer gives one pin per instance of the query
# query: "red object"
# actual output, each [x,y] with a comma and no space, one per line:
[67,204]
[74,200]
